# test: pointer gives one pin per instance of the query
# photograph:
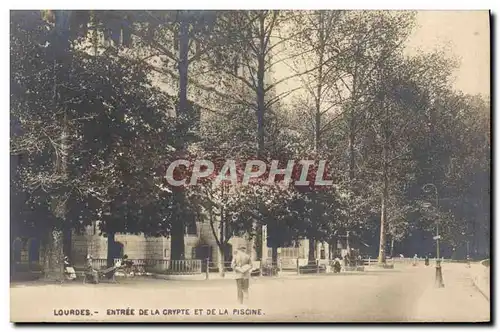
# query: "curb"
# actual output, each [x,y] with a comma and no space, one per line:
[480,290]
[475,279]
[202,277]
[195,277]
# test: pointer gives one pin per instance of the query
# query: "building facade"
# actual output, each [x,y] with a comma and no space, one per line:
[200,243]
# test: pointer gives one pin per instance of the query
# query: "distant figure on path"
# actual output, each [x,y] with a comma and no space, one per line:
[242,266]
[337,266]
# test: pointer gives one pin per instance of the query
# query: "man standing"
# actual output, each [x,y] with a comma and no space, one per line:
[242,266]
[90,272]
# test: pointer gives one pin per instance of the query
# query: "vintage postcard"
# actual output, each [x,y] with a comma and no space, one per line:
[250,166]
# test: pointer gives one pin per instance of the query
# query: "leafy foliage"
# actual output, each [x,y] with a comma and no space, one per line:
[94,122]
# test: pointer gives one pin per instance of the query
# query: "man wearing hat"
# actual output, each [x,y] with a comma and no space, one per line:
[90,272]
[242,266]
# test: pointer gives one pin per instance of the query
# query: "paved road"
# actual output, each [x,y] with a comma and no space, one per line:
[404,295]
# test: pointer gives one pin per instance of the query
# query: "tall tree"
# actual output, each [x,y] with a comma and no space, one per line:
[318,51]
[178,40]
[112,116]
[254,43]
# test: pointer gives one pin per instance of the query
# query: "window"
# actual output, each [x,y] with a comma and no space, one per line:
[193,253]
[322,253]
[191,228]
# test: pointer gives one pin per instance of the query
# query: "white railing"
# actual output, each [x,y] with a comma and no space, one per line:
[99,263]
[266,267]
[166,266]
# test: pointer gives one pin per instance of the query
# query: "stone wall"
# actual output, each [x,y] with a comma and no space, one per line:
[141,247]
[84,244]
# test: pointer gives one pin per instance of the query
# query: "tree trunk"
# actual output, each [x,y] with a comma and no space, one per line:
[383,213]
[222,258]
[274,256]
[222,242]
[178,227]
[260,139]
[261,106]
[312,251]
[381,254]
[53,256]
[392,247]
[177,239]
[311,236]
[67,241]
[352,125]
[183,66]
[260,125]
[352,160]
[111,249]
[319,87]
[54,240]
[352,140]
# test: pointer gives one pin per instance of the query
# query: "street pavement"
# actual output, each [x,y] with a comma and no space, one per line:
[405,294]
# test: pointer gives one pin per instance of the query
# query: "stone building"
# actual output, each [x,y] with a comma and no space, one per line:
[199,241]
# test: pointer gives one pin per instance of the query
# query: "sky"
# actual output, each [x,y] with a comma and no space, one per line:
[464,34]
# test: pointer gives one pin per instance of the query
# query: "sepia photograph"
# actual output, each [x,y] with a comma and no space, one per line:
[250,166]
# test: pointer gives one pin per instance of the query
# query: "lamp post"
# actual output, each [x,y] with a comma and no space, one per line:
[439,275]
[467,257]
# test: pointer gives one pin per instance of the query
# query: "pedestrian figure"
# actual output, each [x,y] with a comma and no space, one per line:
[128,265]
[90,272]
[415,260]
[337,266]
[426,260]
[69,271]
[242,266]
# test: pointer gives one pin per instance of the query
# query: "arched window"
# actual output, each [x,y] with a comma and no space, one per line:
[33,250]
[191,228]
